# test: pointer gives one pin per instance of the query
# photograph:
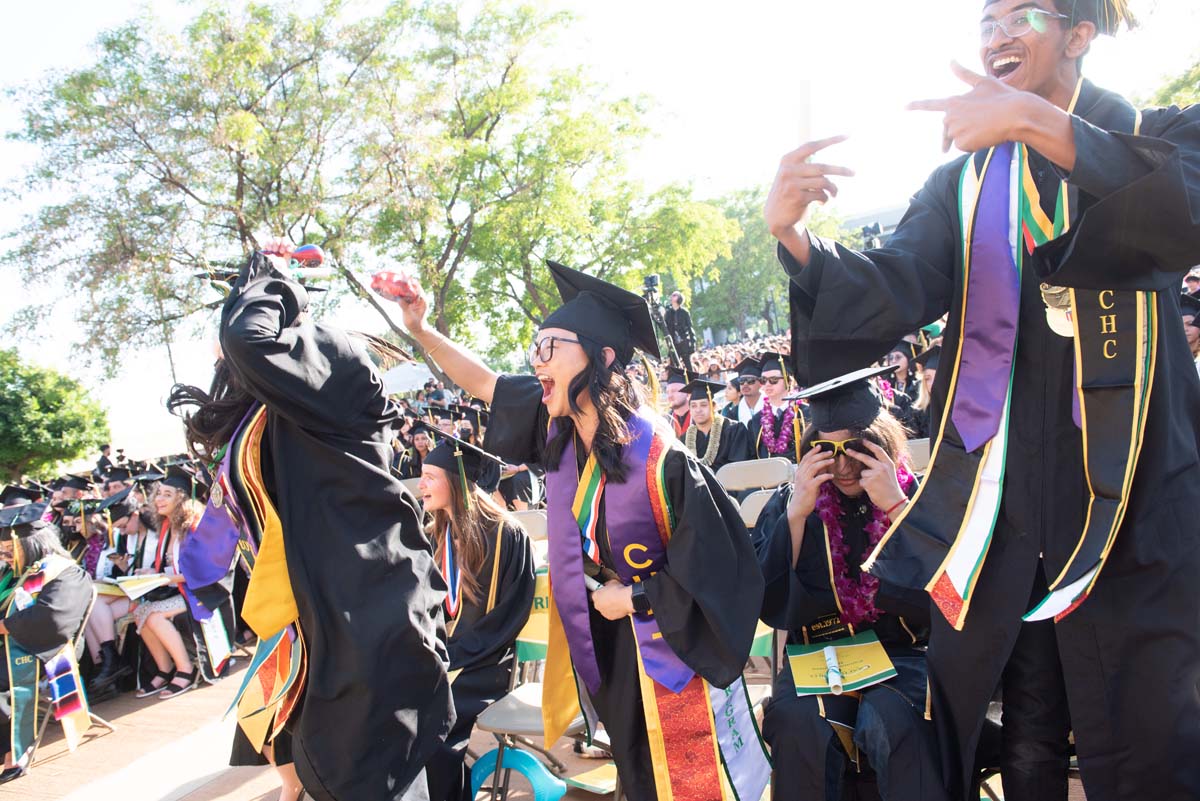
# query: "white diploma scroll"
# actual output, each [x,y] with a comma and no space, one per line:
[833,672]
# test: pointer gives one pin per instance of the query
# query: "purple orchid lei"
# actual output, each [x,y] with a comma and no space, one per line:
[856,598]
[781,444]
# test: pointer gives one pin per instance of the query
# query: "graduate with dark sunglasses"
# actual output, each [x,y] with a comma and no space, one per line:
[811,540]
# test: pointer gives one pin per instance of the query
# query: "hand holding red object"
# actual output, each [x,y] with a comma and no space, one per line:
[395,286]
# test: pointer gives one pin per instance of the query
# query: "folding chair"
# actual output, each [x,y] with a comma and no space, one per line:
[755,474]
[534,522]
[517,717]
[44,705]
[918,450]
[753,504]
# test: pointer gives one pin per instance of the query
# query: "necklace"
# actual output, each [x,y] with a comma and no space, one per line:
[781,443]
[714,440]
[855,597]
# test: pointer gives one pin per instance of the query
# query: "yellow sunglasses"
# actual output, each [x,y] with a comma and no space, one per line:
[838,446]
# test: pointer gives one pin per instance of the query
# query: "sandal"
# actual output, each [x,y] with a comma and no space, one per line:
[172,689]
[150,690]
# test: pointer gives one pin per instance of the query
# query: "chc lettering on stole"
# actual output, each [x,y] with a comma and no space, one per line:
[1108,324]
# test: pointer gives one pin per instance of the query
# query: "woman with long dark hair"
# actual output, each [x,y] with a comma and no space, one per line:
[655,586]
[344,587]
[812,537]
[487,562]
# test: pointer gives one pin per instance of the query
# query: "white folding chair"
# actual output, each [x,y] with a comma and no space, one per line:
[755,474]
[918,450]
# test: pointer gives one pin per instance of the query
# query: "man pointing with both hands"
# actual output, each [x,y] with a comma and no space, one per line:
[1055,529]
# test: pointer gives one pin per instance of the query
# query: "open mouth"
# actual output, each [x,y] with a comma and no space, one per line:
[1004,66]
[547,387]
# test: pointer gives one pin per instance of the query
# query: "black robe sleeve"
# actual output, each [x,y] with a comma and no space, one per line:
[485,639]
[706,599]
[519,420]
[786,605]
[849,308]
[55,617]
[1140,195]
[735,445]
[285,360]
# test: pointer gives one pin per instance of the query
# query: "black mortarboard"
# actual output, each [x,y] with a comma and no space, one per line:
[450,452]
[749,368]
[477,417]
[909,349]
[439,413]
[57,484]
[703,389]
[149,475]
[930,358]
[119,505]
[13,494]
[773,361]
[77,481]
[22,519]
[603,313]
[182,479]
[849,401]
[1106,14]
[1190,304]
[117,474]
[677,375]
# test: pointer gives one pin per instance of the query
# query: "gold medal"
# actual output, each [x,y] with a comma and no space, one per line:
[1058,309]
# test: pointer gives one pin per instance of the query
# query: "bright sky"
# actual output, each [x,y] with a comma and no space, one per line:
[734,86]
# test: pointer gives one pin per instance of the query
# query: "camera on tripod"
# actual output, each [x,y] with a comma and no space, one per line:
[650,288]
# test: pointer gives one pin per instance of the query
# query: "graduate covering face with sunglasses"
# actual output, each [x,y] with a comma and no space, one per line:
[633,516]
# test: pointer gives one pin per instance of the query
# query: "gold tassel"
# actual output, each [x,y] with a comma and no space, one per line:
[655,388]
[18,556]
[462,474]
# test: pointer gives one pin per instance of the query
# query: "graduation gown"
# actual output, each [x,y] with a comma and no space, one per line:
[734,445]
[376,703]
[481,645]
[755,429]
[44,628]
[889,724]
[706,600]
[1131,653]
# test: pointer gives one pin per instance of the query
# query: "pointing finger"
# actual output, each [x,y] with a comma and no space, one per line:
[965,75]
[807,150]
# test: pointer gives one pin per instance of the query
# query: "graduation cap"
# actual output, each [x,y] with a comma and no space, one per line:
[460,458]
[117,474]
[602,313]
[14,494]
[1190,304]
[148,476]
[477,417]
[930,358]
[184,479]
[678,375]
[703,389]
[774,361]
[57,484]
[440,413]
[20,518]
[909,349]
[849,401]
[749,367]
[79,481]
[119,505]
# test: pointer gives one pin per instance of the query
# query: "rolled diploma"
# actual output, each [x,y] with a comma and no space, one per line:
[833,671]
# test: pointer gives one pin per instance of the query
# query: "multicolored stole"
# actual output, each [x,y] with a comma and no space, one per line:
[452,574]
[945,533]
[704,741]
[68,702]
[240,521]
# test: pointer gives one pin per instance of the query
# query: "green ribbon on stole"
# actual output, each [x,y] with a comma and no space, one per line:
[944,534]
[68,701]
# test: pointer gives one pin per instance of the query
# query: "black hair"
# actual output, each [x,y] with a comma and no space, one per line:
[215,414]
[615,399]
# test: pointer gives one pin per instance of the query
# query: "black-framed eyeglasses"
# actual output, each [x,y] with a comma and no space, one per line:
[543,349]
[1018,23]
[839,446]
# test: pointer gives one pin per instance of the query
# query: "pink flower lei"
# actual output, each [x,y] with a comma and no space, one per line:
[780,444]
[856,598]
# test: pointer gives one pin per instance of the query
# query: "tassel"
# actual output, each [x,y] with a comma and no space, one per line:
[652,379]
[462,475]
[18,557]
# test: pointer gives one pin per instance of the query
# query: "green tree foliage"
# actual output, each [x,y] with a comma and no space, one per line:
[749,290]
[443,138]
[46,418]
[1183,90]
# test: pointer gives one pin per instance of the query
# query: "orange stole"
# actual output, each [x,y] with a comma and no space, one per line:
[689,741]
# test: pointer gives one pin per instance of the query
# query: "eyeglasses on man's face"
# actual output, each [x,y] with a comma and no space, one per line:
[1018,24]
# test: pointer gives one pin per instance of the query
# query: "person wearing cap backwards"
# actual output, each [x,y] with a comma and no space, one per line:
[343,588]
[811,538]
[655,585]
[487,561]
[711,438]
[41,617]
[775,428]
[1055,526]
[680,414]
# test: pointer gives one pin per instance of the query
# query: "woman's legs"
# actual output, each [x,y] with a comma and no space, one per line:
[160,626]
[289,781]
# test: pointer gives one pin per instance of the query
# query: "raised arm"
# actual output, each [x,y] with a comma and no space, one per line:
[461,365]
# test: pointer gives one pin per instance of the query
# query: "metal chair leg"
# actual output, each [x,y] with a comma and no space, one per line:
[99,721]
[499,764]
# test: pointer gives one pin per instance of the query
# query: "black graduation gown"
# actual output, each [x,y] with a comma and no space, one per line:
[44,628]
[706,600]
[734,445]
[481,646]
[890,728]
[376,702]
[1131,652]
[758,448]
